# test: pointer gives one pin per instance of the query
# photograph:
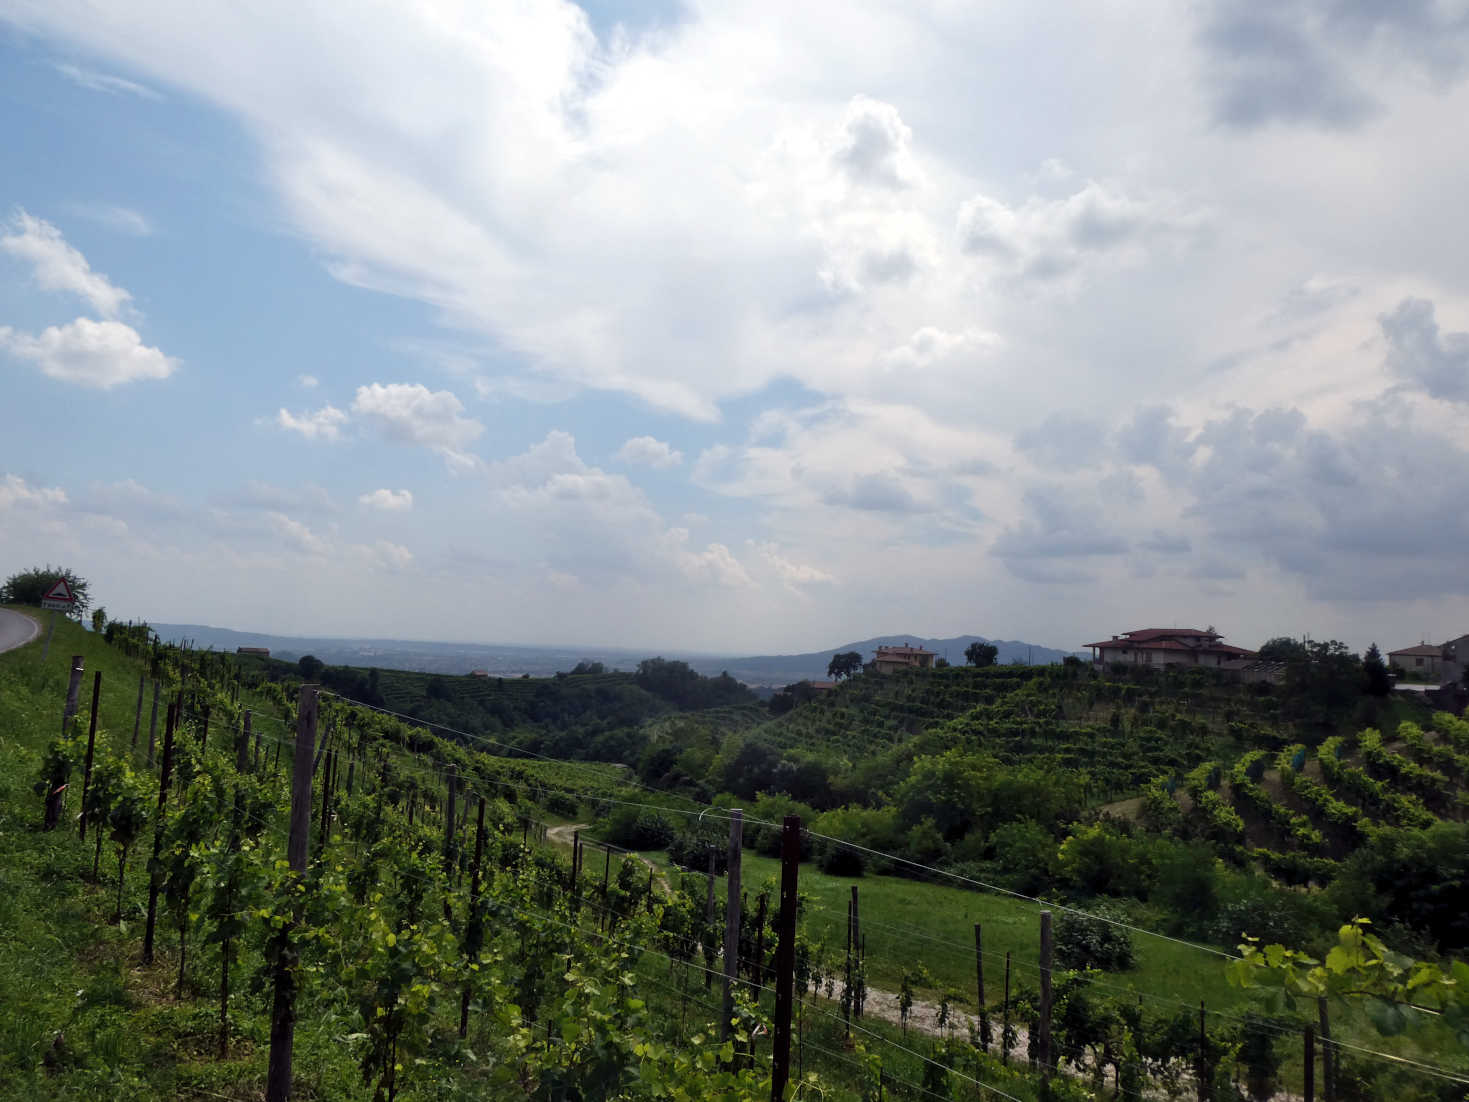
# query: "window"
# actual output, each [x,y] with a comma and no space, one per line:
[1417,661]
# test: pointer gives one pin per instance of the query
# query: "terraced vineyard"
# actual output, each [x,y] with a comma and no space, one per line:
[1122,734]
[1300,813]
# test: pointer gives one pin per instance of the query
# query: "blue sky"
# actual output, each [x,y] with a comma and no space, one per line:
[748,328]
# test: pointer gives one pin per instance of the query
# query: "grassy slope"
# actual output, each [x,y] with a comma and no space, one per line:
[64,971]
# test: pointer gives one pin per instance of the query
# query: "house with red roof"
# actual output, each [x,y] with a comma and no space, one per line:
[1158,648]
[888,659]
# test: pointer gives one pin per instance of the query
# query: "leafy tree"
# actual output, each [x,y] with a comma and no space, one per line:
[99,620]
[1025,852]
[844,665]
[1282,648]
[28,587]
[1419,878]
[1378,682]
[310,666]
[981,654]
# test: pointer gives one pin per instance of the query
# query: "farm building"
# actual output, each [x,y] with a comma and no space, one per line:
[888,659]
[1161,647]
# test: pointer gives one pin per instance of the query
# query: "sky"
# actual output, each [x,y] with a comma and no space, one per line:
[743,328]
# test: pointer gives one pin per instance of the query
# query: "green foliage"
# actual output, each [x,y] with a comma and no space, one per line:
[27,587]
[1416,878]
[1376,680]
[637,828]
[981,655]
[1396,991]
[1101,860]
[844,665]
[1084,941]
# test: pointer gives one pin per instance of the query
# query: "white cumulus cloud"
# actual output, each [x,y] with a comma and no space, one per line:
[388,500]
[99,354]
[15,491]
[410,413]
[323,424]
[649,452]
[58,266]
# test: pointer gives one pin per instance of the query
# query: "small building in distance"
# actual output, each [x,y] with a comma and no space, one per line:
[1426,660]
[258,652]
[1163,647]
[821,688]
[889,659]
[479,673]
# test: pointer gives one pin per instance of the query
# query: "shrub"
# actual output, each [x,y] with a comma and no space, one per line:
[638,828]
[1083,941]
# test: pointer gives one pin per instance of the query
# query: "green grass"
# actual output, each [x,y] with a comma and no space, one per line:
[907,922]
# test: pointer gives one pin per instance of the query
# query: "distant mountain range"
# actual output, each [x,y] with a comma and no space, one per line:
[782,669]
[512,661]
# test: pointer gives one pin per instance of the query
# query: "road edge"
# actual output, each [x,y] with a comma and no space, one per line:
[31,638]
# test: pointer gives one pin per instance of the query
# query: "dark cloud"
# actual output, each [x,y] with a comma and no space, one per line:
[1421,356]
[1152,439]
[1362,514]
[1057,539]
[1301,61]
[1166,543]
[881,493]
[1061,442]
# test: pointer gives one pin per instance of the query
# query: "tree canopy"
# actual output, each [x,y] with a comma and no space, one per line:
[981,654]
[27,587]
[846,664]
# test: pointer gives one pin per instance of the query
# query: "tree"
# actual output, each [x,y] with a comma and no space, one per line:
[99,620]
[981,654]
[1378,680]
[846,664]
[28,587]
[310,666]
[1282,649]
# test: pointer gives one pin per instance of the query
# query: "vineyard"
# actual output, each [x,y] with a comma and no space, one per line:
[1300,813]
[182,894]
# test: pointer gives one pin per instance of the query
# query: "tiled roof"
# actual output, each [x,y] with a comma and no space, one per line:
[1424,650]
[1180,639]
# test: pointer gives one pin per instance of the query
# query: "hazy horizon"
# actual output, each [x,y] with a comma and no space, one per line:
[732,329]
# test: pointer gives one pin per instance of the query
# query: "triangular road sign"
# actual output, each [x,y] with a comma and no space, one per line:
[61,591]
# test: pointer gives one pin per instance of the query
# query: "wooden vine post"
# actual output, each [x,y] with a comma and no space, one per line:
[153,725]
[732,920]
[785,956]
[474,928]
[1044,1048]
[283,1009]
[73,692]
[242,745]
[138,711]
[984,1016]
[1309,1093]
[155,872]
[91,744]
[1328,1057]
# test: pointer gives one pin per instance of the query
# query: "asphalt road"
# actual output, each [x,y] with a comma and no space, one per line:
[16,630]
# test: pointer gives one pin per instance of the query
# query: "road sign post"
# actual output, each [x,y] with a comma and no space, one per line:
[59,598]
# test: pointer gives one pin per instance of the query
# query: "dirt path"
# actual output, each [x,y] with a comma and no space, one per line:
[564,836]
